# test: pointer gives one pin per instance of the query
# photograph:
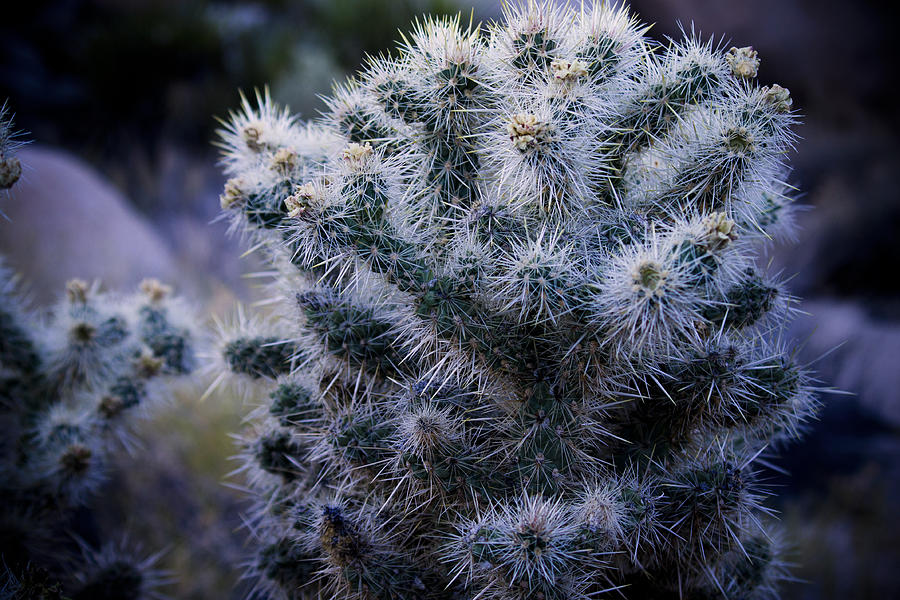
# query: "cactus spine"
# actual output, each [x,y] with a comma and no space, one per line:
[523,348]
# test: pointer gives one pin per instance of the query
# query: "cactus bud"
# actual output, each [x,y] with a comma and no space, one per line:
[778,97]
[743,62]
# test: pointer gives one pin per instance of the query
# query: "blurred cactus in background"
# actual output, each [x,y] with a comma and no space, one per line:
[10,167]
[522,347]
[72,385]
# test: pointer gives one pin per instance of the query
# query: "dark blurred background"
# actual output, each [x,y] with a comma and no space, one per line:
[121,182]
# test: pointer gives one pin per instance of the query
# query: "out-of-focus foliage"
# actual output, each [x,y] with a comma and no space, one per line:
[72,383]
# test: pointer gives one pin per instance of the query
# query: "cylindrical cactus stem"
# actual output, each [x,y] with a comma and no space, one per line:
[353,332]
[355,114]
[706,508]
[355,553]
[686,75]
[293,404]
[287,566]
[738,145]
[260,357]
[745,303]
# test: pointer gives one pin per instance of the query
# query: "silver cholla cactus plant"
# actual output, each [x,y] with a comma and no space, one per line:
[522,349]
[72,383]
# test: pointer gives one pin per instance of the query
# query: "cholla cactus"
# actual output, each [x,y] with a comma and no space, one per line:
[71,385]
[524,350]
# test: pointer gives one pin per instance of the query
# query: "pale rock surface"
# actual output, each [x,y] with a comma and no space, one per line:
[65,220]
[857,351]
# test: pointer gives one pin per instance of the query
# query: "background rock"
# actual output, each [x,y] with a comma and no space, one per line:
[64,220]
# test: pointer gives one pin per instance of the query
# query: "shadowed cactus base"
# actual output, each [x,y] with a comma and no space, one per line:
[522,346]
